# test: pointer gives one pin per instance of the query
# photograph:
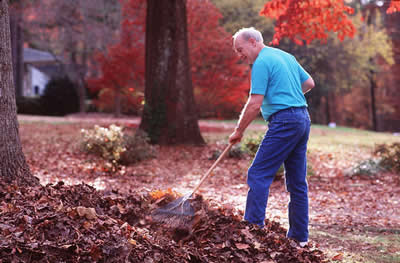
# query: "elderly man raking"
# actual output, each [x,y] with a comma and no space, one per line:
[278,85]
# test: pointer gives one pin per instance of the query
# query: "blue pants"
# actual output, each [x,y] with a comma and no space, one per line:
[285,142]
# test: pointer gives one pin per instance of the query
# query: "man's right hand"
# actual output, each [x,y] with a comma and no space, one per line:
[235,137]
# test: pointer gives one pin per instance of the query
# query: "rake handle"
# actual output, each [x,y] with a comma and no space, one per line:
[212,167]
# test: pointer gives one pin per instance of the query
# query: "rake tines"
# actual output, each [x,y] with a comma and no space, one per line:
[180,213]
[176,214]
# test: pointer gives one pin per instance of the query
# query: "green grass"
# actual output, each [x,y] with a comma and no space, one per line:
[322,137]
[333,139]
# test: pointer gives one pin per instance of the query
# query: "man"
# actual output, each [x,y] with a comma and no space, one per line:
[278,83]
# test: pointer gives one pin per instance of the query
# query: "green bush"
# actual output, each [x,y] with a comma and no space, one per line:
[235,152]
[31,106]
[389,156]
[137,148]
[250,144]
[60,97]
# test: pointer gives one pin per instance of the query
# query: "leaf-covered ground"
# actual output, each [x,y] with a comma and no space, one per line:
[58,223]
[353,219]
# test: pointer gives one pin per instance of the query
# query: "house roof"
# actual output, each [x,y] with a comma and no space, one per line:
[34,56]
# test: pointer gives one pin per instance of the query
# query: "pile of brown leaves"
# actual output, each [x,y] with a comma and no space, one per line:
[59,223]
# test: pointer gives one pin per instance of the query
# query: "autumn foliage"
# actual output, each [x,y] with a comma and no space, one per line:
[394,7]
[122,66]
[306,20]
[220,82]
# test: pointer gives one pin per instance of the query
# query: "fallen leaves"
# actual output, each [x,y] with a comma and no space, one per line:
[336,202]
[109,227]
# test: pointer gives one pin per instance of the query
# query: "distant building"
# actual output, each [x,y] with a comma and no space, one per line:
[39,68]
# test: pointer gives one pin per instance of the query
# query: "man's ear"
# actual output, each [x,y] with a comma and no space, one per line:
[252,41]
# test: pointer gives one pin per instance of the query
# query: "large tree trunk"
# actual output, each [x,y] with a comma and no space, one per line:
[13,166]
[17,49]
[169,115]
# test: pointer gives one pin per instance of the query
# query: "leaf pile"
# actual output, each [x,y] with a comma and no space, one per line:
[59,223]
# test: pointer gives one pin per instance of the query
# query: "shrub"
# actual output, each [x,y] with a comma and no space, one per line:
[115,146]
[30,106]
[137,148]
[368,168]
[107,143]
[60,97]
[389,156]
[235,152]
[250,144]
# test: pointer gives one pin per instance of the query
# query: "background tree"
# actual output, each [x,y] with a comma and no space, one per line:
[120,85]
[13,166]
[169,114]
[73,31]
[220,83]
[337,66]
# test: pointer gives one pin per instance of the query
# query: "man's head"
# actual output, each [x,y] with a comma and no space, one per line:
[247,43]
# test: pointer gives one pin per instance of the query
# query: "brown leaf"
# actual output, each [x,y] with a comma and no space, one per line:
[89,213]
[242,246]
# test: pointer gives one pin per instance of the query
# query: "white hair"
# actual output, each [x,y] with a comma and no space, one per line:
[247,33]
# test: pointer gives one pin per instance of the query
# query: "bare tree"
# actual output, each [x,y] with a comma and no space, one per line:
[74,30]
[13,166]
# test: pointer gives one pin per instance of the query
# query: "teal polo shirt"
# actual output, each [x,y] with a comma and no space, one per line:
[278,76]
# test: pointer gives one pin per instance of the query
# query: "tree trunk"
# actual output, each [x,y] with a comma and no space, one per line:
[169,115]
[117,103]
[327,110]
[76,74]
[17,48]
[373,99]
[13,166]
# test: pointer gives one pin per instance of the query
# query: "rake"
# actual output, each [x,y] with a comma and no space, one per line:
[180,212]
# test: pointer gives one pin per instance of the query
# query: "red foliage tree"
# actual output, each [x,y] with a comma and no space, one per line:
[122,68]
[306,20]
[220,82]
[394,7]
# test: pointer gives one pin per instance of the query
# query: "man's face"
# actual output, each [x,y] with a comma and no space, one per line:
[244,49]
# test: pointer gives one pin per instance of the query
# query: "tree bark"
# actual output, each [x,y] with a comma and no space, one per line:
[373,100]
[17,49]
[117,103]
[170,114]
[13,166]
[327,110]
[77,73]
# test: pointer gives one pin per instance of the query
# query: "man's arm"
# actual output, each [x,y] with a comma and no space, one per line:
[249,113]
[307,85]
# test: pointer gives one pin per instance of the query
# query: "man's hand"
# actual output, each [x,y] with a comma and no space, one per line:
[235,137]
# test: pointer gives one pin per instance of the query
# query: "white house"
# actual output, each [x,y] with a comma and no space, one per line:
[39,67]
